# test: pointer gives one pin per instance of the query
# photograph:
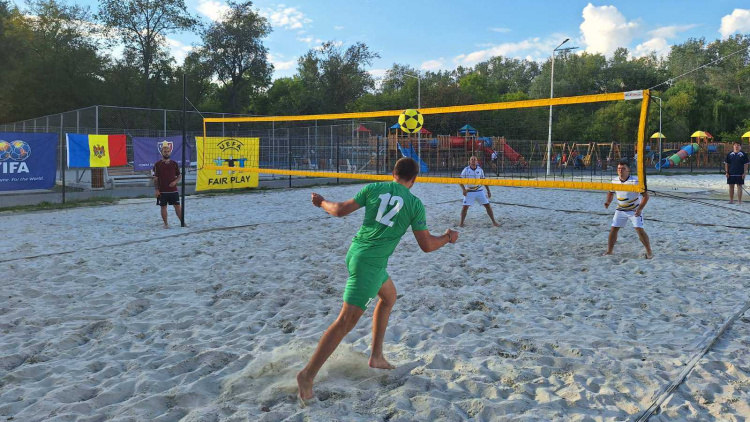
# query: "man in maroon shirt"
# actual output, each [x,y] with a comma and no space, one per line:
[166,175]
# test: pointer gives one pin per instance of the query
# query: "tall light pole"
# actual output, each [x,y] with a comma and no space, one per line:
[551,94]
[660,134]
[418,77]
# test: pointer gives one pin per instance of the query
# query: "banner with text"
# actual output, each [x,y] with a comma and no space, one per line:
[227,152]
[27,160]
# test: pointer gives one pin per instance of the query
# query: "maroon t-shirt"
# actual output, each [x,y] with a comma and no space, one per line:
[167,172]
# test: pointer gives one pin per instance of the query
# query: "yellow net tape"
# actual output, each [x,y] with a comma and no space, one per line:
[529,183]
[619,96]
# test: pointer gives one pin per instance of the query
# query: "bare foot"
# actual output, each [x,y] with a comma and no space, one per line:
[649,255]
[166,226]
[730,202]
[380,363]
[461,225]
[305,387]
[496,224]
[607,253]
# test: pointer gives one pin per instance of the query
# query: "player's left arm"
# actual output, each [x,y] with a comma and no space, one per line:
[644,201]
[336,209]
[178,175]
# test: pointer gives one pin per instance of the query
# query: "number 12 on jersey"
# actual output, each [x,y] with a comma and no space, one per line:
[385,200]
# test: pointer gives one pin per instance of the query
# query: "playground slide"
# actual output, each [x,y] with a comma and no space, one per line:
[409,152]
[675,159]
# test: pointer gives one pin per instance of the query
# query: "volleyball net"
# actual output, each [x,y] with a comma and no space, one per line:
[590,136]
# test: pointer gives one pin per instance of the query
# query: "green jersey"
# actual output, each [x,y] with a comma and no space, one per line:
[390,209]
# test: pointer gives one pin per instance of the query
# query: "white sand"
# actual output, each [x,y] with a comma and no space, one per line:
[524,322]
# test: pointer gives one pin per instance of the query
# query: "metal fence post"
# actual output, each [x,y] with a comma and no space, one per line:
[165,124]
[63,161]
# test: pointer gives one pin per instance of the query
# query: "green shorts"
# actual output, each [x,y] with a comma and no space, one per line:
[364,281]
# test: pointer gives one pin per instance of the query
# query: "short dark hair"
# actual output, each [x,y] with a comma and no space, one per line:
[738,143]
[406,169]
[624,163]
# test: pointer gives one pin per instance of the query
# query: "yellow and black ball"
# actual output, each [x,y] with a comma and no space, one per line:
[410,121]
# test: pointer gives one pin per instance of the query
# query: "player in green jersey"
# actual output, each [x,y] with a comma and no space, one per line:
[390,209]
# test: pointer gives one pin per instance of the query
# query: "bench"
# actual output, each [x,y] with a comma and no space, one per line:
[126,175]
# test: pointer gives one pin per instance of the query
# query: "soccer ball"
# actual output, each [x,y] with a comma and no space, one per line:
[4,150]
[19,150]
[410,121]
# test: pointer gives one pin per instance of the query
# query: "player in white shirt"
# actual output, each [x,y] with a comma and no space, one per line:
[474,193]
[629,207]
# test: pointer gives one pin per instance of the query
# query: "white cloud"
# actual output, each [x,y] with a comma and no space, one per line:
[499,29]
[433,64]
[532,46]
[178,49]
[338,28]
[657,45]
[285,17]
[604,29]
[738,21]
[377,73]
[213,9]
[307,39]
[670,31]
[278,62]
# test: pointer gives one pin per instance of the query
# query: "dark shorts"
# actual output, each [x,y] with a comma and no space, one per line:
[168,198]
[735,180]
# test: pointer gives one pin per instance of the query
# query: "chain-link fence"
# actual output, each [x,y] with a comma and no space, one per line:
[278,149]
[353,146]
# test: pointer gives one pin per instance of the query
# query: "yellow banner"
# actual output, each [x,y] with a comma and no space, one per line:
[99,150]
[229,154]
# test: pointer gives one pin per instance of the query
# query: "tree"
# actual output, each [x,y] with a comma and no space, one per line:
[60,67]
[234,49]
[334,77]
[143,26]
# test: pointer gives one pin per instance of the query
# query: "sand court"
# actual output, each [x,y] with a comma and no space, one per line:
[106,316]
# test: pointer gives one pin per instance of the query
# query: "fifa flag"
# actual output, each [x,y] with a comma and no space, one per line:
[221,154]
[89,151]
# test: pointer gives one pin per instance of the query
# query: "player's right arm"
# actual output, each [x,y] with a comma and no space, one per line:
[336,209]
[429,243]
[610,196]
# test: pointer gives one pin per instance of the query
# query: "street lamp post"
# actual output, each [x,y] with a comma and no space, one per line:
[551,94]
[660,134]
[418,77]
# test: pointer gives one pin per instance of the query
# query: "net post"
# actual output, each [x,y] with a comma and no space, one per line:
[184,144]
[641,140]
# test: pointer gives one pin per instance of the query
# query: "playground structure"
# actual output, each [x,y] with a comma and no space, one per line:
[701,152]
[603,155]
[452,152]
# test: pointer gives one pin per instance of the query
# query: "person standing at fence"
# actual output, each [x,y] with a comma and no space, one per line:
[474,193]
[390,209]
[735,168]
[166,176]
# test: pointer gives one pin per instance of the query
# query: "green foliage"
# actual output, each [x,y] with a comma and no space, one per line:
[234,51]
[142,26]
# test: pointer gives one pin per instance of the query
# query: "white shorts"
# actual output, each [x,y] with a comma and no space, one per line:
[621,217]
[473,196]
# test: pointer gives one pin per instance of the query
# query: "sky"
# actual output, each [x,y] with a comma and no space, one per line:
[432,35]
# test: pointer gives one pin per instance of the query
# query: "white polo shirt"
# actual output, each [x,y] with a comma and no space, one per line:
[477,173]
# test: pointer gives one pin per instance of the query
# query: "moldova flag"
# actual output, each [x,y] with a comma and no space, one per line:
[96,150]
